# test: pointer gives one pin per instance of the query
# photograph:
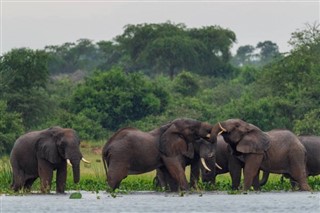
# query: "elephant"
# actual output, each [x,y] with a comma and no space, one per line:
[312,146]
[132,151]
[277,151]
[226,163]
[38,153]
[160,180]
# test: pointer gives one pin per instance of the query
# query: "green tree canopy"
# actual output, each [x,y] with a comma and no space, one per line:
[11,128]
[23,79]
[171,48]
[114,98]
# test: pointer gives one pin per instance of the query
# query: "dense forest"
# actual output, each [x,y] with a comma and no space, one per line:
[153,73]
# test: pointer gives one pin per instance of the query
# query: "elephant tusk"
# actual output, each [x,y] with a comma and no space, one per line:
[222,129]
[69,163]
[219,167]
[220,132]
[84,160]
[205,165]
[208,136]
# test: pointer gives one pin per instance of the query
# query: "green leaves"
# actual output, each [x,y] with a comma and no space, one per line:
[170,48]
[23,79]
[10,128]
[113,98]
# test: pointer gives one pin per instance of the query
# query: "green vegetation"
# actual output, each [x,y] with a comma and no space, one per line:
[154,73]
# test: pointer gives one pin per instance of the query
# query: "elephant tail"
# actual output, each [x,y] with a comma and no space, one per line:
[264,179]
[104,161]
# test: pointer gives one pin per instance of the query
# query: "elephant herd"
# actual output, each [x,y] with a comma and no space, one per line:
[229,146]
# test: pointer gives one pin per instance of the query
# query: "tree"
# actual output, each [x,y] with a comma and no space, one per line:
[173,47]
[113,98]
[268,51]
[245,56]
[23,78]
[70,57]
[186,84]
[293,82]
[11,128]
[110,55]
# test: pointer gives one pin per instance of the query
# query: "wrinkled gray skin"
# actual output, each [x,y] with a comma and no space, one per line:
[131,151]
[312,145]
[227,162]
[162,181]
[276,151]
[39,153]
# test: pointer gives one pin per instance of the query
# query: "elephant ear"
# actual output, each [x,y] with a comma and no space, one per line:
[254,141]
[172,143]
[47,145]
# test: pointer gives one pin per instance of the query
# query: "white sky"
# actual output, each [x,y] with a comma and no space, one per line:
[38,23]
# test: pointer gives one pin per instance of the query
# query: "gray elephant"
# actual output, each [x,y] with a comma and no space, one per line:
[226,163]
[312,145]
[131,151]
[276,151]
[39,153]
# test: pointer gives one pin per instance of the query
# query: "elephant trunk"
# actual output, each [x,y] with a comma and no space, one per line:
[76,170]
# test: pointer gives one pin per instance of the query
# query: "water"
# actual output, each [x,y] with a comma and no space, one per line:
[293,202]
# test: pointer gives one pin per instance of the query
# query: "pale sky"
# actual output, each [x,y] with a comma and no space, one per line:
[35,24]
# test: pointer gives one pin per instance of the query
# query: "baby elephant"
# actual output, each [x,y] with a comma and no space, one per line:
[38,153]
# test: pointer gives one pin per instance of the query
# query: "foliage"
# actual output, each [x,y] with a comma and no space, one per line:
[265,88]
[10,128]
[309,124]
[23,79]
[113,98]
[170,48]
[264,53]
[5,175]
[186,84]
[70,57]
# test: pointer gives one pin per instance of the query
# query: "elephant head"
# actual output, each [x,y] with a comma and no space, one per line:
[187,137]
[243,137]
[59,145]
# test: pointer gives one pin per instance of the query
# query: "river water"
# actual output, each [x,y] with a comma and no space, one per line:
[293,202]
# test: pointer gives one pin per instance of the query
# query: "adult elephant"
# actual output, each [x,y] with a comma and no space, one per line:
[276,151]
[312,145]
[39,153]
[227,163]
[132,151]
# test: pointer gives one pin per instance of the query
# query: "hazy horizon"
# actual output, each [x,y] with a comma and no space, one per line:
[36,24]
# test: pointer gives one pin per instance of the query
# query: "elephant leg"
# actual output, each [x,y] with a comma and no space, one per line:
[173,184]
[255,183]
[116,173]
[194,174]
[235,173]
[176,171]
[298,173]
[28,184]
[251,169]
[61,178]
[294,183]
[18,179]
[45,170]
[160,179]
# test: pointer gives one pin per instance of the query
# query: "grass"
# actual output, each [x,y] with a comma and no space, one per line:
[93,178]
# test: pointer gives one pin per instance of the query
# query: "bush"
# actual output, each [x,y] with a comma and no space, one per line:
[11,128]
[113,98]
[186,84]
[309,125]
